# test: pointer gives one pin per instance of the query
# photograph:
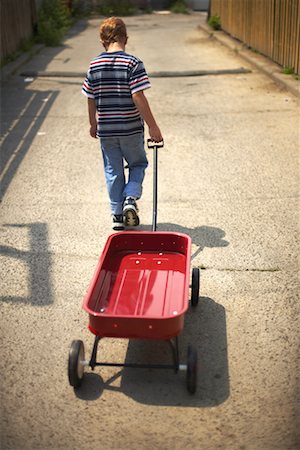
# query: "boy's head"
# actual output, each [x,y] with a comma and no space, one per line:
[113,30]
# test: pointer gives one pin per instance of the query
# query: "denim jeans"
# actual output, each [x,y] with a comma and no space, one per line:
[114,151]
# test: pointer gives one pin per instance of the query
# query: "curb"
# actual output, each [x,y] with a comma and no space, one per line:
[262,63]
[173,74]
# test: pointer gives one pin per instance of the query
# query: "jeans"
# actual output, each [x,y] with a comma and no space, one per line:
[114,151]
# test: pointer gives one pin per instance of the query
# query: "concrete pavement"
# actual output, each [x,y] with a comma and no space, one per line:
[228,177]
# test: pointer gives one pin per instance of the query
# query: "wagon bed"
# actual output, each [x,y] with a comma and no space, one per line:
[140,286]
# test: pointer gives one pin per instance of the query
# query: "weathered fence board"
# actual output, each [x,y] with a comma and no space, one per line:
[271,27]
[17,20]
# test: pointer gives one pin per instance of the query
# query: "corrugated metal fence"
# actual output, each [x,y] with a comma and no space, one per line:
[17,20]
[271,27]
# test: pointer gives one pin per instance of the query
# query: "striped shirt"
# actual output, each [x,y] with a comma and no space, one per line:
[111,80]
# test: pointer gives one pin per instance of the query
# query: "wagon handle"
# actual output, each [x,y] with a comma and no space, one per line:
[155,146]
[152,144]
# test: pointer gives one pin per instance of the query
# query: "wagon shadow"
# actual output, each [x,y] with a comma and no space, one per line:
[202,237]
[205,329]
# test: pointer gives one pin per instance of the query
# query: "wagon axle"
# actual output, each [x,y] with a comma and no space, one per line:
[77,363]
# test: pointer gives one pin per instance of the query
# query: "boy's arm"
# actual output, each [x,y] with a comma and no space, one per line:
[143,107]
[92,117]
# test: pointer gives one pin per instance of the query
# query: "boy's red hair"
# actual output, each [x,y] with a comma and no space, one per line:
[112,30]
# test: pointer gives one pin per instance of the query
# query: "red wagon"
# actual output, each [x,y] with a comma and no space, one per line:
[140,290]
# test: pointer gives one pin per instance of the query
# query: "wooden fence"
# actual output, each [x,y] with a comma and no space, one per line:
[17,22]
[272,27]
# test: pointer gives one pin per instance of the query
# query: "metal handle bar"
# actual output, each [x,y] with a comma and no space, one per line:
[152,144]
[155,146]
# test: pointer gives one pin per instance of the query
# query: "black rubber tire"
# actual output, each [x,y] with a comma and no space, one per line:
[192,369]
[195,286]
[75,369]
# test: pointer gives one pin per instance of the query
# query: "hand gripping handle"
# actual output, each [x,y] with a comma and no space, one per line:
[152,144]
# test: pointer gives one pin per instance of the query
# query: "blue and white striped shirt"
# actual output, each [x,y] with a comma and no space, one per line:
[111,80]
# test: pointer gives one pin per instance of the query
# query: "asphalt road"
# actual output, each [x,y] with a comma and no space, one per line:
[228,177]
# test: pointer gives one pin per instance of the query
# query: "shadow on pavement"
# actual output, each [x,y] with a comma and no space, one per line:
[38,263]
[203,236]
[20,126]
[205,329]
[23,111]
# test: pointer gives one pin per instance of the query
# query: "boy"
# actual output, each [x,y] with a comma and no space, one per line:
[115,85]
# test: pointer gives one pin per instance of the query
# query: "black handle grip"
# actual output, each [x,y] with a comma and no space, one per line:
[152,144]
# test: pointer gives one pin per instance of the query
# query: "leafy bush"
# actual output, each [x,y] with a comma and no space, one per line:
[179,7]
[53,21]
[215,22]
[116,8]
[81,9]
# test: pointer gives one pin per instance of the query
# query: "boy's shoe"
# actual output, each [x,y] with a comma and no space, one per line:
[130,212]
[118,223]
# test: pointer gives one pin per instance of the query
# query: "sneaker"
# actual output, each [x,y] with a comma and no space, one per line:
[118,223]
[130,212]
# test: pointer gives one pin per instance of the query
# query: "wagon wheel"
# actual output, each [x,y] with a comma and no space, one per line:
[191,374]
[195,286]
[76,363]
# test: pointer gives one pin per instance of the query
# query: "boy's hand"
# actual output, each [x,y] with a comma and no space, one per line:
[93,130]
[155,134]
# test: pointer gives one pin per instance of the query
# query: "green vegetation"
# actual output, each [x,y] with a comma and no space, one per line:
[287,70]
[25,46]
[179,7]
[215,22]
[9,58]
[81,9]
[116,8]
[54,19]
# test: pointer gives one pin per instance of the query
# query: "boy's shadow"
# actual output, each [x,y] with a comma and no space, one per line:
[203,236]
